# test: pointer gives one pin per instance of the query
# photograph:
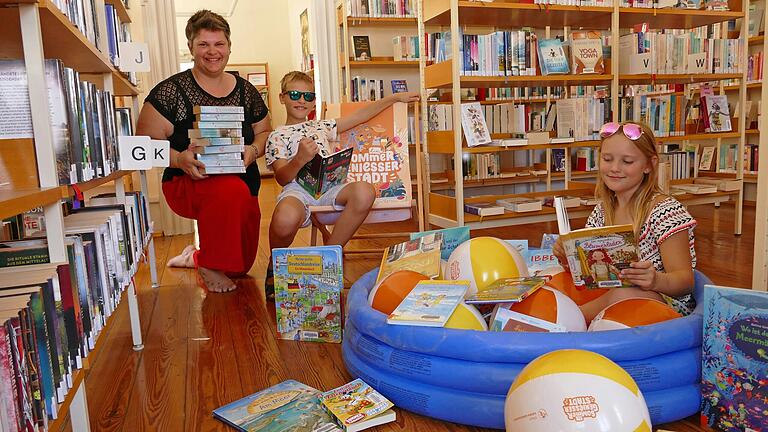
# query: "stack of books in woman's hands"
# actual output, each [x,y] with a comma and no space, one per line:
[217,138]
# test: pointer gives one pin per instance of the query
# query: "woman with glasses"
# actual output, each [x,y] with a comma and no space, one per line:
[225,206]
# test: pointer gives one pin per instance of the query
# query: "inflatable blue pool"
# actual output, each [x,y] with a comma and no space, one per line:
[463,376]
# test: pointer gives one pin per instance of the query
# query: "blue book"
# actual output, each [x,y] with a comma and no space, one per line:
[734,370]
[552,59]
[289,405]
[430,303]
[308,284]
[452,238]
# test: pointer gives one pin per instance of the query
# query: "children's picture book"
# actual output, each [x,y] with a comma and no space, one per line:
[357,406]
[430,303]
[473,124]
[539,260]
[362,47]
[717,116]
[587,52]
[707,156]
[321,174]
[399,86]
[288,406]
[507,290]
[380,155]
[596,256]
[308,284]
[548,240]
[552,58]
[734,370]
[421,255]
[452,238]
[505,320]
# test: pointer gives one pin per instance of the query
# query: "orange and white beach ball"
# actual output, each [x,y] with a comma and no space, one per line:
[390,291]
[575,390]
[563,282]
[632,312]
[466,317]
[482,261]
[551,305]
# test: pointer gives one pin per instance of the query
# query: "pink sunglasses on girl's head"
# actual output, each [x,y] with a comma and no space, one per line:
[631,130]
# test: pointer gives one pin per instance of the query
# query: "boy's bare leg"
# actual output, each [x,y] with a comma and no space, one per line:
[184,259]
[215,280]
[287,218]
[357,199]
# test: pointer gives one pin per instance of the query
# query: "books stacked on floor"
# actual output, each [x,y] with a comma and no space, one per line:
[52,313]
[217,138]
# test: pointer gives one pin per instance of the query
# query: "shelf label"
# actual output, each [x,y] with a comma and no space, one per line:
[135,152]
[697,63]
[641,63]
[161,153]
[134,57]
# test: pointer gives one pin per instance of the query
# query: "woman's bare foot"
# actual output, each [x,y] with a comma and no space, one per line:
[215,281]
[184,259]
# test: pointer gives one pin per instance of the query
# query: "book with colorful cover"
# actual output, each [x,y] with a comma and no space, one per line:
[308,284]
[474,125]
[421,255]
[430,303]
[399,86]
[507,290]
[452,238]
[357,406]
[380,154]
[552,58]
[587,52]
[539,260]
[734,370]
[321,174]
[596,256]
[288,406]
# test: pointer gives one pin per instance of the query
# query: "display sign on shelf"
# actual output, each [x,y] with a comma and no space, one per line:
[134,57]
[143,153]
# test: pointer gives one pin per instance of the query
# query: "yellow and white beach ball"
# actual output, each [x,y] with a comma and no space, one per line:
[575,390]
[466,317]
[551,305]
[482,261]
[632,312]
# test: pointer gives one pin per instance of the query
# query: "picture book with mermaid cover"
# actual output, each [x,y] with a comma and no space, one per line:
[596,256]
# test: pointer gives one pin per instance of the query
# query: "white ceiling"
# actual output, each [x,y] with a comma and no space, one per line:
[186,8]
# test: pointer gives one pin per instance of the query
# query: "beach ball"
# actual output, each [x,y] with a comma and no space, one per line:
[482,261]
[575,390]
[551,305]
[390,291]
[632,312]
[466,317]
[580,295]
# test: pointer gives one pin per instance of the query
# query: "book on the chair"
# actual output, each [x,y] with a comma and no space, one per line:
[308,285]
[734,369]
[596,256]
[357,406]
[421,255]
[323,173]
[507,290]
[430,303]
[291,405]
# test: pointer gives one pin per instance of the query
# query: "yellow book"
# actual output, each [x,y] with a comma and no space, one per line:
[421,255]
[596,256]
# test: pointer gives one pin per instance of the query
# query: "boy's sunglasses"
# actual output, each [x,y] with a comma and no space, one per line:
[295,95]
[631,130]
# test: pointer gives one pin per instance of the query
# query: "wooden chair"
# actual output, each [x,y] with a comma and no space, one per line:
[324,216]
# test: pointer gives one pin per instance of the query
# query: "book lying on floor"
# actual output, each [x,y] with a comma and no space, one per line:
[291,405]
[357,406]
[322,173]
[507,290]
[430,303]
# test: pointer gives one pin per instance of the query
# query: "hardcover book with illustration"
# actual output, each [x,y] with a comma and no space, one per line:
[587,52]
[596,256]
[734,370]
[473,124]
[552,58]
[399,86]
[421,255]
[323,173]
[362,47]
[357,406]
[288,406]
[507,290]
[430,303]
[308,284]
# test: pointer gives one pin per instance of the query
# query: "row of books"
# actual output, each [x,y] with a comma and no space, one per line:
[370,89]
[521,205]
[755,67]
[82,119]
[381,8]
[727,158]
[217,140]
[117,32]
[53,312]
[405,48]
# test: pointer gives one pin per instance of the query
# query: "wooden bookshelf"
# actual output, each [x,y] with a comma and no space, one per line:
[78,378]
[755,40]
[634,79]
[439,75]
[674,18]
[69,191]
[388,62]
[121,10]
[380,21]
[13,202]
[507,15]
[123,87]
[500,101]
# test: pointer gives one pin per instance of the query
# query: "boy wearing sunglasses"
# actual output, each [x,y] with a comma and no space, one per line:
[291,146]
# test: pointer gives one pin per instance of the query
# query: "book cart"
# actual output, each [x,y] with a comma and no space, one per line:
[34,31]
[445,202]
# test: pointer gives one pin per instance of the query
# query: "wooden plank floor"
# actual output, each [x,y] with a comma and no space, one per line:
[204,350]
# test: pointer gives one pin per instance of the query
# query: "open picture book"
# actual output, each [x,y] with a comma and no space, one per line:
[323,173]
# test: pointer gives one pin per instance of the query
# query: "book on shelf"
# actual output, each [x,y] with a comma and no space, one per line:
[323,173]
[290,404]
[755,19]
[357,406]
[473,124]
[507,290]
[399,86]
[695,188]
[362,47]
[596,256]
[552,59]
[483,209]
[707,156]
[734,361]
[430,303]
[587,52]
[452,238]
[308,285]
[567,200]
[715,113]
[722,184]
[421,255]
[519,204]
[506,320]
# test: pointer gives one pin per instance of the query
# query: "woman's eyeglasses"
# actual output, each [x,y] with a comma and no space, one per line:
[295,95]
[630,130]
